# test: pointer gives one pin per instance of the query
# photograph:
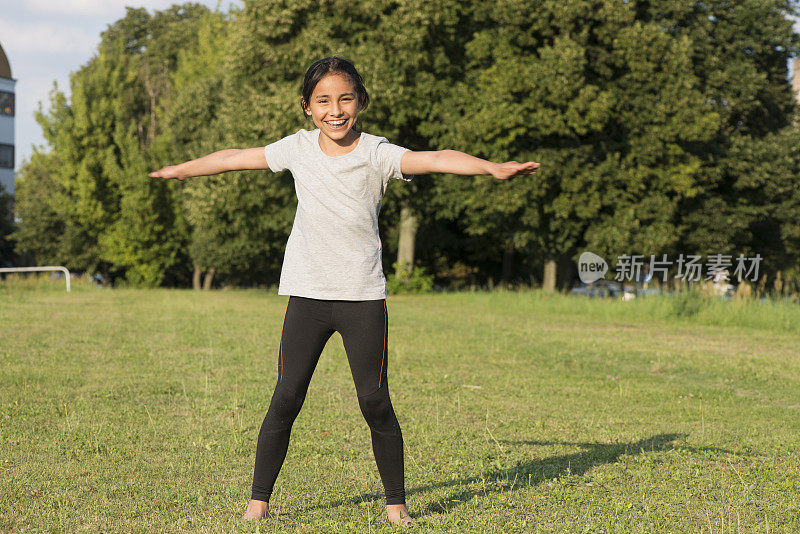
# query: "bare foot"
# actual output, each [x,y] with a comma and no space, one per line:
[256,509]
[398,514]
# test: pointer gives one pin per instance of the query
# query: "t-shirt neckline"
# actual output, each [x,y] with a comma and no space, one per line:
[320,151]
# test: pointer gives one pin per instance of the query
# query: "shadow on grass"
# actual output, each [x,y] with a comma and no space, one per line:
[516,477]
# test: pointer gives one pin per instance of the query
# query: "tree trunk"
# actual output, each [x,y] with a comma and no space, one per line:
[566,270]
[209,278]
[408,233]
[549,282]
[198,272]
[508,264]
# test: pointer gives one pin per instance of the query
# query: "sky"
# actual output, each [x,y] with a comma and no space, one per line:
[45,40]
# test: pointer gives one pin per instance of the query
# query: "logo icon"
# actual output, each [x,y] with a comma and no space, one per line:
[591,267]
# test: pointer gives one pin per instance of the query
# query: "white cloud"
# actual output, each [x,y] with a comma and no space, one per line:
[48,37]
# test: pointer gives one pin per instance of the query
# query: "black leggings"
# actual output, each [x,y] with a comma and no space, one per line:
[307,326]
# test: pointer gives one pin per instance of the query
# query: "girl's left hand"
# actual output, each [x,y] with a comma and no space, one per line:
[168,173]
[504,171]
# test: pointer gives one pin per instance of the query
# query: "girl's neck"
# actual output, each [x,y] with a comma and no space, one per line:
[339,147]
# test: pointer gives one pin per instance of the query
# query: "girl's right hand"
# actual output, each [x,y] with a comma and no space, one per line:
[168,173]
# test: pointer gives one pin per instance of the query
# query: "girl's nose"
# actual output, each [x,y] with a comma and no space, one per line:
[336,110]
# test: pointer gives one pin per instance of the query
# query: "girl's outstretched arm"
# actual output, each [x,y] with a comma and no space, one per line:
[455,162]
[231,159]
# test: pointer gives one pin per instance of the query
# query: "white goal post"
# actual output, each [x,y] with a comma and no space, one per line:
[34,269]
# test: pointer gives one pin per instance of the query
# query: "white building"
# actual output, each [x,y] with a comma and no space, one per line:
[6,124]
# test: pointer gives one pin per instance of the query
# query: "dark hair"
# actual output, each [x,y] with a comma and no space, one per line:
[334,65]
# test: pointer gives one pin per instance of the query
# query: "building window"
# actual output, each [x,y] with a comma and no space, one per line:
[6,156]
[6,103]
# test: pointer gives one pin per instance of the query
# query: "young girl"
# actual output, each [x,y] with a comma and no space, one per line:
[332,270]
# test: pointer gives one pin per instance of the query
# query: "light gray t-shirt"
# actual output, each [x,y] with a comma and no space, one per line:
[334,250]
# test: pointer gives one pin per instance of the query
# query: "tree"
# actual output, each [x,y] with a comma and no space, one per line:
[627,108]
[555,86]
[39,237]
[191,130]
[116,219]
[740,54]
[764,171]
[644,116]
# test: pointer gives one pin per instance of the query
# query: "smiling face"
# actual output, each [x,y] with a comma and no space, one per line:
[334,107]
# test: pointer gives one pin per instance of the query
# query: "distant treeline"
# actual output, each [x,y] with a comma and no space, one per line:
[662,128]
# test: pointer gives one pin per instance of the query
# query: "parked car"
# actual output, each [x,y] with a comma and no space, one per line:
[604,289]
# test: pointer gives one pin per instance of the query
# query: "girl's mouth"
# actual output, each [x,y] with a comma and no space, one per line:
[337,124]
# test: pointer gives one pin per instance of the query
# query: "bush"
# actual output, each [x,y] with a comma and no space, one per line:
[688,303]
[403,281]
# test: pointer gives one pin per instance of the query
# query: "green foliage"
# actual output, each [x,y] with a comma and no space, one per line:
[688,303]
[661,128]
[609,104]
[190,131]
[238,221]
[740,55]
[41,233]
[627,106]
[758,214]
[144,238]
[402,280]
[115,219]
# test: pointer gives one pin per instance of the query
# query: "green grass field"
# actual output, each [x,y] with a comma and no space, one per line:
[138,411]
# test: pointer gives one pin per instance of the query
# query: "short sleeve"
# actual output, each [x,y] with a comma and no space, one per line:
[388,157]
[279,154]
